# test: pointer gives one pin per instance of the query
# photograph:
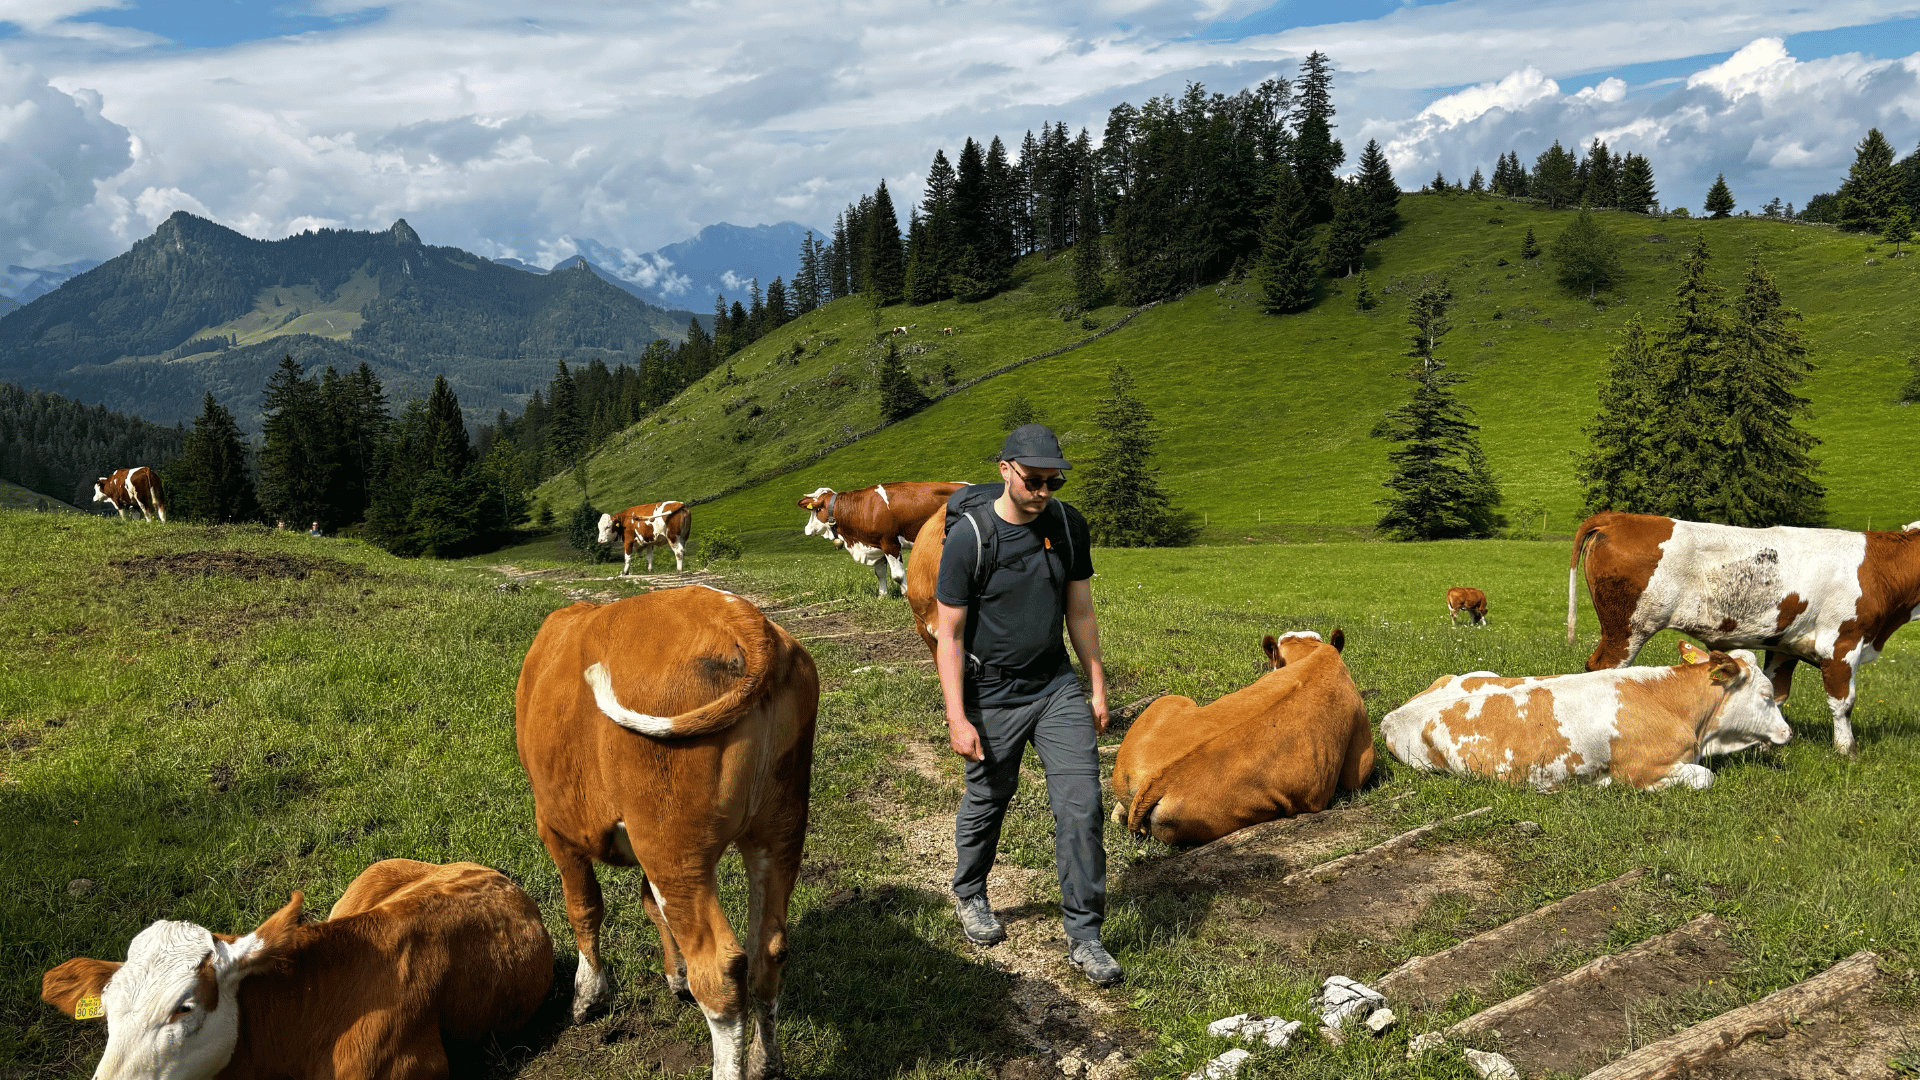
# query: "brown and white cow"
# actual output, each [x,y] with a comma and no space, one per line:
[411,953]
[1471,601]
[1189,774]
[1822,596]
[871,523]
[657,731]
[138,487]
[648,526]
[1645,726]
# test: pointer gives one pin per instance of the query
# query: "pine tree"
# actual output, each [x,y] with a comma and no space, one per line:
[1288,277]
[1378,190]
[884,275]
[1636,190]
[900,396]
[1477,183]
[566,428]
[1316,153]
[1554,181]
[210,481]
[1438,185]
[1442,487]
[1089,264]
[1692,350]
[779,312]
[1764,474]
[1898,230]
[1018,413]
[1602,183]
[1121,495]
[1347,236]
[1719,198]
[1873,186]
[1529,247]
[294,466]
[1587,256]
[1612,472]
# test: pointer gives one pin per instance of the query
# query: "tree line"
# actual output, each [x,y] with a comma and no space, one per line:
[58,447]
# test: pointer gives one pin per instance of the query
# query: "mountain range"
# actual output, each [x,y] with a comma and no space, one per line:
[722,259]
[197,307]
[24,284]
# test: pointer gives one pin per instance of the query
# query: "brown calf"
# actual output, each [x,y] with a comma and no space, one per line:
[1471,601]
[412,953]
[923,576]
[872,522]
[657,731]
[647,526]
[1189,774]
[138,487]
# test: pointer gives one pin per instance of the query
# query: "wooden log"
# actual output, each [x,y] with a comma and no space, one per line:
[1345,863]
[1713,1039]
[1493,1015]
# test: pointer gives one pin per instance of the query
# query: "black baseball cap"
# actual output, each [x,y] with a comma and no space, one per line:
[1033,445]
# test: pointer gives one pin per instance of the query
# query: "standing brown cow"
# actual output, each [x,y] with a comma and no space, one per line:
[138,487]
[657,731]
[923,577]
[1189,774]
[1471,601]
[647,526]
[872,522]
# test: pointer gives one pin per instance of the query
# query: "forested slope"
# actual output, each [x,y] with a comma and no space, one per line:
[1265,420]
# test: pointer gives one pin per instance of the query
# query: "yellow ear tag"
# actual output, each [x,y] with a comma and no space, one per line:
[89,1008]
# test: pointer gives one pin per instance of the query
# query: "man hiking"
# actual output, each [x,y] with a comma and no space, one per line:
[1015,568]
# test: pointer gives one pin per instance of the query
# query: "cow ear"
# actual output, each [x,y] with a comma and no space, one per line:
[269,941]
[1725,668]
[1272,648]
[1338,640]
[76,982]
[1691,653]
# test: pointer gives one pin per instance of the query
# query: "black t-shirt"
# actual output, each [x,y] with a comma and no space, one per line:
[1014,630]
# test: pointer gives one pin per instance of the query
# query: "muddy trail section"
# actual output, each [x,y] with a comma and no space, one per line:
[1570,988]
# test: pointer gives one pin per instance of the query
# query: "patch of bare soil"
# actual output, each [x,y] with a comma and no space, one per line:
[637,1034]
[246,566]
[598,588]
[1855,1037]
[1382,896]
[1576,1025]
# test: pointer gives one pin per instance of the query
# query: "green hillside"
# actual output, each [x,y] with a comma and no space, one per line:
[1265,419]
[15,497]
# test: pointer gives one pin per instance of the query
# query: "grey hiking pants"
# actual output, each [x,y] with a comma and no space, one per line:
[1061,729]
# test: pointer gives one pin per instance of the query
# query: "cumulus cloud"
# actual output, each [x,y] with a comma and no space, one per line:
[55,147]
[511,129]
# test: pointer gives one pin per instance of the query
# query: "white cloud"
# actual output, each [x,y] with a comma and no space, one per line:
[511,128]
[54,148]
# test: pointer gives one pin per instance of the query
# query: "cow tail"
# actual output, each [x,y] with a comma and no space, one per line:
[756,638]
[1588,529]
[1145,797]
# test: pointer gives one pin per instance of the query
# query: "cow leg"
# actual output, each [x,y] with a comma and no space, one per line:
[626,565]
[671,960]
[1779,669]
[1685,774]
[898,570]
[679,556]
[649,558]
[1617,648]
[1837,674]
[716,966]
[770,875]
[585,911]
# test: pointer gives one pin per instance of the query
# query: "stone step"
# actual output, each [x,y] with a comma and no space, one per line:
[1584,1018]
[1533,942]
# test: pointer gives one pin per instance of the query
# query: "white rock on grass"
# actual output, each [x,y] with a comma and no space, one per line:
[1380,1020]
[1222,1067]
[1341,998]
[1276,1031]
[1420,1044]
[1492,1066]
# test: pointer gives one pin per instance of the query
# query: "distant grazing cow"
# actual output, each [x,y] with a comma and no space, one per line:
[1822,596]
[1645,726]
[1471,601]
[413,953]
[138,487]
[873,522]
[648,526]
[656,731]
[949,330]
[1188,773]
[899,329]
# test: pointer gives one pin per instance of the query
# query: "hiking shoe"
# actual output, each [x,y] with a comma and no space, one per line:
[977,921]
[1092,960]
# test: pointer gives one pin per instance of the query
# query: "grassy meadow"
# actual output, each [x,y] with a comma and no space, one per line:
[1265,419]
[199,720]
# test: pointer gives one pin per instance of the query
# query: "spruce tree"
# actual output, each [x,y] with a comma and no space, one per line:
[1120,494]
[1586,255]
[1874,186]
[1898,229]
[1316,153]
[1287,274]
[1529,247]
[1613,471]
[1089,264]
[1636,190]
[1692,349]
[1477,183]
[1554,181]
[1438,185]
[449,451]
[1441,485]
[1347,235]
[885,273]
[294,465]
[1719,202]
[1379,191]
[1764,473]
[900,396]
[566,428]
[210,481]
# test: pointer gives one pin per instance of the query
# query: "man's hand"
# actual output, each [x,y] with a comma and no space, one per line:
[964,739]
[1098,703]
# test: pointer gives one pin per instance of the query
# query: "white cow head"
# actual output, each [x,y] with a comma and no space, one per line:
[99,490]
[606,528]
[815,503]
[172,1009]
[1748,716]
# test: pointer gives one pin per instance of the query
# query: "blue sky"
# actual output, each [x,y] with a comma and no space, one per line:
[527,130]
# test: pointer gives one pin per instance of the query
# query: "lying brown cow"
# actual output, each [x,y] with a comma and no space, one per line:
[412,953]
[138,487]
[872,522]
[647,526]
[1471,601]
[1189,774]
[1646,726]
[656,731]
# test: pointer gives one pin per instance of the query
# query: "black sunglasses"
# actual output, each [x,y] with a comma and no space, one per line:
[1035,483]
